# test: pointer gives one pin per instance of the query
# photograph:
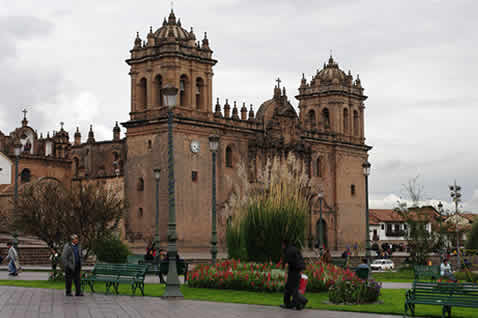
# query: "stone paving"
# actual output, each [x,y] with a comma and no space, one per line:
[18,302]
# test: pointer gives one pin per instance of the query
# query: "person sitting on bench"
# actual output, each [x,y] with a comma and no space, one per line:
[445,271]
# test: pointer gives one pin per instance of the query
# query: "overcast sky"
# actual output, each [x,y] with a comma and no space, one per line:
[64,61]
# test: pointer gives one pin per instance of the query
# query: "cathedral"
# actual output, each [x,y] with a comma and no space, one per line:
[325,136]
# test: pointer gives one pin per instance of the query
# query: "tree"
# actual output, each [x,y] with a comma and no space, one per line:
[472,239]
[52,213]
[421,242]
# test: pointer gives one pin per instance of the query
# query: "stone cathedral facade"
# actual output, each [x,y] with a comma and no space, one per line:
[325,136]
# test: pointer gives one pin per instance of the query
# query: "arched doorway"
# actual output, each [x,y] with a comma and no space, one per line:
[319,240]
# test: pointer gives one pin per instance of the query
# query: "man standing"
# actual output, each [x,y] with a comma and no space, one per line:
[72,263]
[294,259]
[13,264]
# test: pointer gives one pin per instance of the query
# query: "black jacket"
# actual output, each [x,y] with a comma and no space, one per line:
[293,257]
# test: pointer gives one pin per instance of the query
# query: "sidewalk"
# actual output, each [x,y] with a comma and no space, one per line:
[37,302]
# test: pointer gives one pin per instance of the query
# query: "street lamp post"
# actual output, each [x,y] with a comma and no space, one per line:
[17,150]
[213,146]
[440,211]
[172,283]
[366,172]
[320,195]
[157,175]
[455,193]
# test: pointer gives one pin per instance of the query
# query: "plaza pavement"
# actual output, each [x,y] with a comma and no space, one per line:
[18,302]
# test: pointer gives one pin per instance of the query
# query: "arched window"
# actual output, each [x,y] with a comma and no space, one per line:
[356,123]
[115,156]
[318,167]
[199,93]
[25,175]
[183,90]
[76,164]
[228,157]
[140,185]
[346,120]
[326,118]
[312,119]
[142,93]
[158,84]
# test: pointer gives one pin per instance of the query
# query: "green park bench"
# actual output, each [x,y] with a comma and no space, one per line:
[340,262]
[114,274]
[441,294]
[428,272]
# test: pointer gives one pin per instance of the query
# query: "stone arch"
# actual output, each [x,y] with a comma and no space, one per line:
[184,90]
[140,184]
[346,120]
[199,93]
[356,123]
[143,92]
[158,85]
[321,241]
[326,118]
[312,119]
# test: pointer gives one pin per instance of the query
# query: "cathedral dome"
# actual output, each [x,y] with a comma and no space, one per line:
[331,72]
[172,29]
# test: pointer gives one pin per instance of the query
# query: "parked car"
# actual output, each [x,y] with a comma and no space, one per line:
[382,264]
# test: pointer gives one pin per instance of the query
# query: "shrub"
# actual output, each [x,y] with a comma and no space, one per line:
[354,291]
[111,250]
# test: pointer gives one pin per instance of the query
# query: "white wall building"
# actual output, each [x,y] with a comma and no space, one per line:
[6,166]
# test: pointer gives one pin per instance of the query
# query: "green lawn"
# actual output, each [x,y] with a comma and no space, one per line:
[393,299]
[403,276]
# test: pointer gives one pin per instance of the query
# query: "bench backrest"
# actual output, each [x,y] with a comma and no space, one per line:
[130,270]
[135,259]
[426,271]
[459,293]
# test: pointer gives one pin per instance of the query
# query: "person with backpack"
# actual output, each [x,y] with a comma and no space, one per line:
[296,265]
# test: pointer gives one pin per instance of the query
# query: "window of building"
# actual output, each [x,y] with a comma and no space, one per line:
[404,226]
[199,93]
[356,123]
[352,189]
[389,227]
[194,176]
[140,185]
[150,144]
[140,212]
[318,167]
[326,118]
[228,157]
[158,83]
[76,165]
[312,119]
[142,93]
[346,120]
[25,175]
[183,90]
[383,227]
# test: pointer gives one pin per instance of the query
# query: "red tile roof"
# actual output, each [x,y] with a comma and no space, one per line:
[383,215]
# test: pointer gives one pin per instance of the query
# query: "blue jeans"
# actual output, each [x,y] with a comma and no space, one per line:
[11,267]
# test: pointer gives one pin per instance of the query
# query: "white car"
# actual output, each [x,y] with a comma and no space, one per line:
[382,264]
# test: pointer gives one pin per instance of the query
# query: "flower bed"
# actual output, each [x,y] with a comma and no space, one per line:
[267,277]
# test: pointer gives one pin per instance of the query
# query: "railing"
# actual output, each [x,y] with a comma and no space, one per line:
[395,233]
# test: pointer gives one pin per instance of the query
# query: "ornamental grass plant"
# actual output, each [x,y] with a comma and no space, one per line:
[272,213]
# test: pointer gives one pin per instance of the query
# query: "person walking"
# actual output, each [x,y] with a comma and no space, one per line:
[13,264]
[296,265]
[71,258]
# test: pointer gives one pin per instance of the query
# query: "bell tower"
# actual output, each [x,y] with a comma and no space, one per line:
[171,56]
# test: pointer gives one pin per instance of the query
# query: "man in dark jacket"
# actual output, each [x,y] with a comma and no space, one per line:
[71,258]
[294,259]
